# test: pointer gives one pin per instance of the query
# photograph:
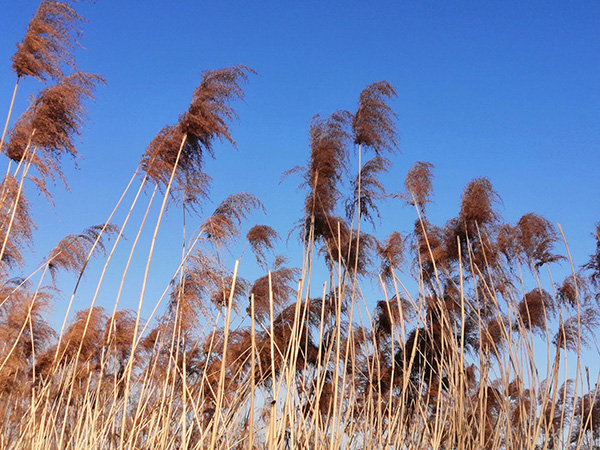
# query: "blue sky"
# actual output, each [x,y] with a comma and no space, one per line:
[507,90]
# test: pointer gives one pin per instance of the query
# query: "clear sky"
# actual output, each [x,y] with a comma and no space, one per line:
[507,90]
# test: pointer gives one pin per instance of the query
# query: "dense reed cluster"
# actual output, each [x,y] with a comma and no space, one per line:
[463,348]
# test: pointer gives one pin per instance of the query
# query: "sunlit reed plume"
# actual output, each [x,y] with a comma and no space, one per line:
[51,124]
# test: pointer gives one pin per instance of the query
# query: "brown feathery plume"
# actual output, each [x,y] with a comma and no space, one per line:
[51,122]
[594,263]
[585,419]
[535,308]
[391,253]
[51,35]
[194,186]
[507,241]
[238,350]
[152,339]
[118,335]
[389,313]
[427,351]
[283,326]
[576,332]
[469,233]
[72,253]
[17,234]
[587,415]
[356,252]
[46,46]
[202,277]
[260,238]
[205,120]
[429,248]
[220,297]
[328,156]
[573,291]
[213,343]
[280,288]
[370,189]
[537,236]
[418,184]
[185,301]
[494,335]
[223,225]
[24,331]
[373,124]
[476,207]
[84,336]
[556,414]
[479,252]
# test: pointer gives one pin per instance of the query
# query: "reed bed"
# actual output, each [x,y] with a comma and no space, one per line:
[481,355]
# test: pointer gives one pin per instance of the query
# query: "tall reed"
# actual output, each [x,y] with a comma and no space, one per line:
[466,347]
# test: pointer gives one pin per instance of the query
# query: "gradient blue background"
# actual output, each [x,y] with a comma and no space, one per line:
[507,90]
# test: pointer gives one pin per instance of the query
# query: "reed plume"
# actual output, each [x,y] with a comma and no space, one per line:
[51,36]
[390,313]
[189,297]
[471,233]
[367,189]
[118,335]
[373,124]
[429,248]
[305,349]
[494,335]
[223,225]
[573,291]
[278,287]
[391,254]
[530,241]
[227,288]
[24,330]
[261,238]
[72,253]
[355,251]
[586,418]
[82,339]
[536,237]
[206,120]
[418,184]
[46,47]
[577,331]
[477,206]
[16,228]
[51,123]
[327,163]
[593,264]
[535,309]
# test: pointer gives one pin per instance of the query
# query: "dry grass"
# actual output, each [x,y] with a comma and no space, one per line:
[479,357]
